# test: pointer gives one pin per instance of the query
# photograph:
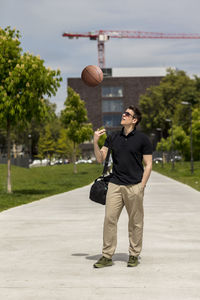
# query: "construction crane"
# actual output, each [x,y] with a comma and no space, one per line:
[104,35]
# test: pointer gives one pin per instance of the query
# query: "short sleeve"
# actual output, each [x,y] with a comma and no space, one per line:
[146,146]
[110,138]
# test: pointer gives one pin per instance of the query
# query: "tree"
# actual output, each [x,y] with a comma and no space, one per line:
[181,142]
[24,82]
[35,127]
[28,136]
[64,146]
[46,144]
[74,118]
[196,132]
[61,145]
[162,101]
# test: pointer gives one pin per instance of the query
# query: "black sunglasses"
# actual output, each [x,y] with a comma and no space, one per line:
[127,114]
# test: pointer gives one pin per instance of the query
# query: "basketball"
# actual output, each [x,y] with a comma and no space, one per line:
[92,75]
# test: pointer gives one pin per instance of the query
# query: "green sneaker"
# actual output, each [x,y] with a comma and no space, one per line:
[133,261]
[103,262]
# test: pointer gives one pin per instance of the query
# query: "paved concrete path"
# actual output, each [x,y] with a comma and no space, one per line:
[48,247]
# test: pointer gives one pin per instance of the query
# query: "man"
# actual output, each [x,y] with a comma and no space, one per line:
[126,188]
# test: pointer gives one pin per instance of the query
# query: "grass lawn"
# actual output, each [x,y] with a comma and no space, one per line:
[181,172]
[36,183]
[33,184]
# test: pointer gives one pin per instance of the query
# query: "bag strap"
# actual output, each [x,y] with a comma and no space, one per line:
[105,169]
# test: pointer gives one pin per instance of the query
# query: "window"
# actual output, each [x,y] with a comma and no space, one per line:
[111,120]
[112,91]
[107,72]
[112,105]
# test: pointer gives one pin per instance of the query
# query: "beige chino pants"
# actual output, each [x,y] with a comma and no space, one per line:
[131,197]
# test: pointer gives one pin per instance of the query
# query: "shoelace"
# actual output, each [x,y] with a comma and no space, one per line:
[133,258]
[103,259]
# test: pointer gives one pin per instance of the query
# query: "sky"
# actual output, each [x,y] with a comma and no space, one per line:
[42,23]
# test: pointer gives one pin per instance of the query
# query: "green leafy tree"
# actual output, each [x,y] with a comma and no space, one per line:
[64,146]
[196,132]
[74,118]
[181,142]
[182,138]
[183,115]
[189,94]
[61,145]
[24,82]
[46,144]
[28,136]
[162,101]
[35,127]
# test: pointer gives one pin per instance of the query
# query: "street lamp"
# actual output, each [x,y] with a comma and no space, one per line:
[170,121]
[161,136]
[191,144]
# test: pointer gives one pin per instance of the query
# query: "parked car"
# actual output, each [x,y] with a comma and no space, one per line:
[157,160]
[177,158]
[83,161]
[39,163]
[61,161]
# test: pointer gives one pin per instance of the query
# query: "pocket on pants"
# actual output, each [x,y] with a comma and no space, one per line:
[140,188]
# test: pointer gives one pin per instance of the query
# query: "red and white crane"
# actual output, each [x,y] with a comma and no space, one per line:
[104,35]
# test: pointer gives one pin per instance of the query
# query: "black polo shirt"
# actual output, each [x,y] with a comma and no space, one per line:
[127,155]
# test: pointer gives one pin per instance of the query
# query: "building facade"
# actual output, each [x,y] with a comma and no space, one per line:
[119,89]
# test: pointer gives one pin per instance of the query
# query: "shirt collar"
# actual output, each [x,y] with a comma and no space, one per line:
[130,133]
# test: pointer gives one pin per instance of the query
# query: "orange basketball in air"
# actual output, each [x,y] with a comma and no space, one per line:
[92,75]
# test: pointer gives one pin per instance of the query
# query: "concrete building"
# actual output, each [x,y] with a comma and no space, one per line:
[120,88]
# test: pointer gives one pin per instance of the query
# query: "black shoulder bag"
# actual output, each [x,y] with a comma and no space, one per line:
[99,188]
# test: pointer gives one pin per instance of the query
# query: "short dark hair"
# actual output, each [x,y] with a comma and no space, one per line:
[137,113]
